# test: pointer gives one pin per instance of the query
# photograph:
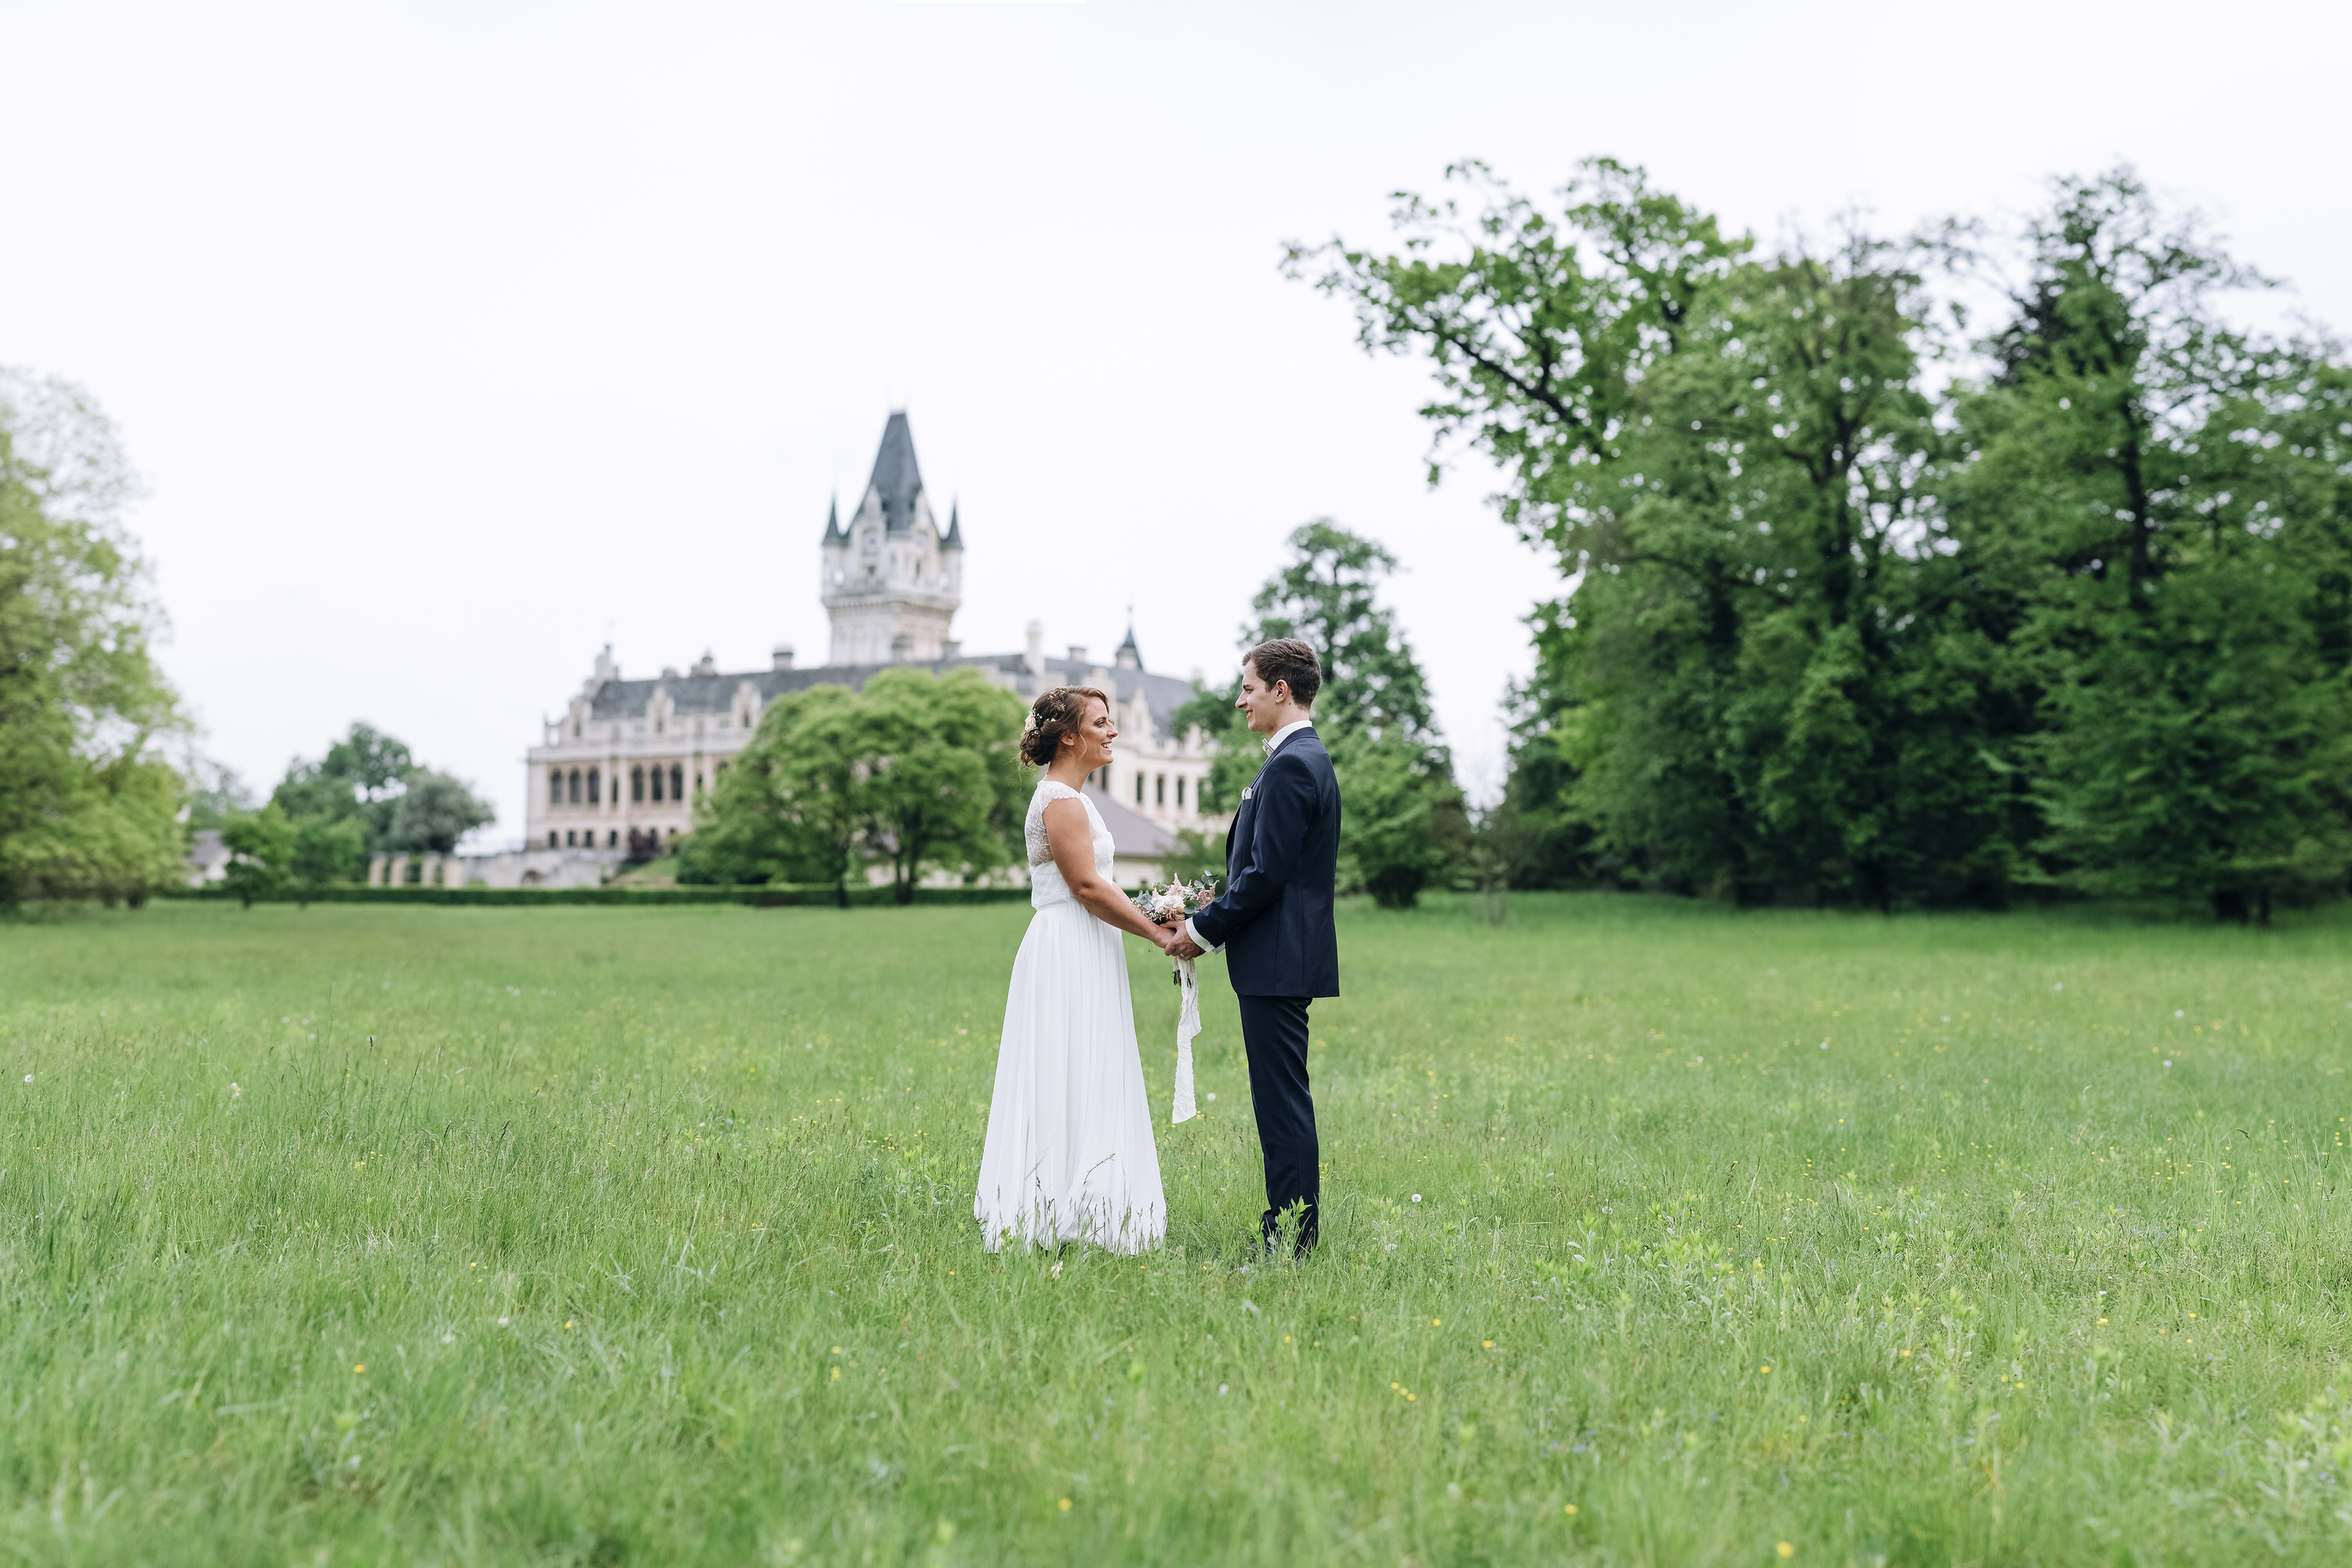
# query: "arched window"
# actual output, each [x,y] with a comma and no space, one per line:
[1139,789]
[575,786]
[550,839]
[1158,790]
[637,784]
[657,782]
[1180,791]
[555,789]
[676,782]
[595,787]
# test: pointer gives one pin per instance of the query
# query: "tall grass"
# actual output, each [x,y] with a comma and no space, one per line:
[1653,1233]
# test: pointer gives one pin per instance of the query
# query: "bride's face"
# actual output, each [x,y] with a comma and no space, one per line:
[1089,743]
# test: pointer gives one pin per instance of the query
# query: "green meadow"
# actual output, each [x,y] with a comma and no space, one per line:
[1655,1233]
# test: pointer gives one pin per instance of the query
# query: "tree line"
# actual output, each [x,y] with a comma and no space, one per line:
[1866,596]
[1867,600]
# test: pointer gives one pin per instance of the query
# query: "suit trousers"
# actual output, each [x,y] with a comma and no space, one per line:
[1274,1034]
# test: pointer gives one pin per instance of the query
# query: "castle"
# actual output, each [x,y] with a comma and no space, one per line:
[616,778]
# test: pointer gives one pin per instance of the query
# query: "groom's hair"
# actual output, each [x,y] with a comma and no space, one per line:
[1289,661]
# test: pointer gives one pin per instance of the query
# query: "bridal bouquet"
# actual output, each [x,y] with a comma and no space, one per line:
[1176,902]
[1167,906]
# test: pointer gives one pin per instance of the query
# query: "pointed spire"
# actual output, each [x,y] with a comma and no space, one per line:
[1129,656]
[954,537]
[896,481]
[833,534]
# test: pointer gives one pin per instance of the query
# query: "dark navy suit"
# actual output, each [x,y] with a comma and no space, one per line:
[1274,922]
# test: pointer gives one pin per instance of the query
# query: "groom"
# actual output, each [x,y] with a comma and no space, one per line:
[1274,922]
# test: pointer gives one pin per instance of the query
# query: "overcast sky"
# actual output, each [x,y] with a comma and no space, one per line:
[455,340]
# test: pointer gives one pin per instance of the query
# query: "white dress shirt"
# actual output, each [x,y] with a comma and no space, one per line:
[1272,743]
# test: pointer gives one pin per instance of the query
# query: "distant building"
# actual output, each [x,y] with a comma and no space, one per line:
[617,775]
[208,857]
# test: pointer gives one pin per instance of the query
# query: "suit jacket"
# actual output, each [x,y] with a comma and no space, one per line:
[1281,865]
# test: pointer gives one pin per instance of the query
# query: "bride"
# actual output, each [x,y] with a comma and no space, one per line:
[1069,1155]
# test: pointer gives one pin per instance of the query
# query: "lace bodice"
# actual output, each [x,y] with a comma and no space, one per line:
[1046,885]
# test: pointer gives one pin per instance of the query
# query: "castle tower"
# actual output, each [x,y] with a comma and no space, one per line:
[891,580]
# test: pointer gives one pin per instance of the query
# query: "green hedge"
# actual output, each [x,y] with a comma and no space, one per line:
[762,897]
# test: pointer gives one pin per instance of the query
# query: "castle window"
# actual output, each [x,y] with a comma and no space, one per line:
[555,789]
[1179,790]
[657,782]
[613,840]
[567,839]
[1139,789]
[550,839]
[575,728]
[1158,790]
[575,786]
[676,782]
[595,787]
[637,784]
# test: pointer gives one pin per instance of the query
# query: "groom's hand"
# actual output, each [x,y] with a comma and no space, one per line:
[1184,947]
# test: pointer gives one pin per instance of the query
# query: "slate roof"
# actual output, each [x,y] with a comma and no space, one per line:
[897,478]
[701,694]
[1132,832]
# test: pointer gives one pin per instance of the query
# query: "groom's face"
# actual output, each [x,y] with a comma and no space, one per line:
[1263,703]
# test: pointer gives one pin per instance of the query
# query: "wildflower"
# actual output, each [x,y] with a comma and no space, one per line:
[1416,1197]
[502,1322]
[1569,1508]
[1433,1322]
[1763,1369]
[1220,1391]
[235,1091]
[1785,1550]
[359,1366]
[28,1078]
[1065,1505]
[836,1374]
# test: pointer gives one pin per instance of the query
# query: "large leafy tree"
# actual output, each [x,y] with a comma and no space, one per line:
[2178,491]
[87,806]
[916,769]
[1403,814]
[373,782]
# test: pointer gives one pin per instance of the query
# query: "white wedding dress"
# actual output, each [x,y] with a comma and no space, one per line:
[1069,1155]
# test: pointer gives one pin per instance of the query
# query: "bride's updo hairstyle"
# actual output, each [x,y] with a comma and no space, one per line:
[1056,713]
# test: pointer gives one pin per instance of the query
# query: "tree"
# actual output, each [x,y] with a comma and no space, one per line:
[917,768]
[321,851]
[432,813]
[370,783]
[1727,456]
[87,808]
[1402,813]
[261,851]
[363,775]
[2181,482]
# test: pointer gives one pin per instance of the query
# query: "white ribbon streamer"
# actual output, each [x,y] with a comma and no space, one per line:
[1188,1024]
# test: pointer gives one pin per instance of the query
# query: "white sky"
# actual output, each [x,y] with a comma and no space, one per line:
[456,338]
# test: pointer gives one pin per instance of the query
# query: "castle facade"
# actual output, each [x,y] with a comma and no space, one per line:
[617,775]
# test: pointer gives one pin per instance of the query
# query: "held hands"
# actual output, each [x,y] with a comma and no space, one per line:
[1179,945]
